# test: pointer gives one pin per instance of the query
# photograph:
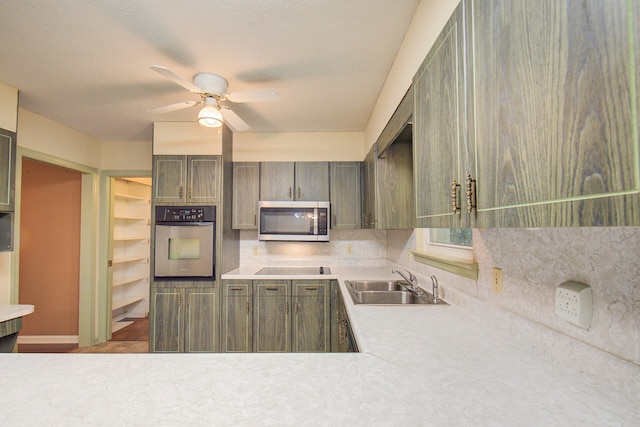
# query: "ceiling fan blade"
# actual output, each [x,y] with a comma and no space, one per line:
[256,95]
[233,120]
[165,72]
[173,107]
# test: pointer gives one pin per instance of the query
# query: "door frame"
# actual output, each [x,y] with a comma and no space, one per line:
[88,239]
[103,301]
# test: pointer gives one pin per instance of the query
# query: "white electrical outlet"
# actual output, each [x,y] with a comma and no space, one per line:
[574,303]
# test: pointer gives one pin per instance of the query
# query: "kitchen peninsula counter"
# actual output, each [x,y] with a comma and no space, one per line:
[11,323]
[419,366]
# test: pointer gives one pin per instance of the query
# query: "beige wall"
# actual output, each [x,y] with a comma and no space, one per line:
[298,146]
[427,23]
[126,155]
[8,107]
[186,138]
[45,136]
[8,119]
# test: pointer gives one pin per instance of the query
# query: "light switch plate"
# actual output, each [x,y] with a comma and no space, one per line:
[574,303]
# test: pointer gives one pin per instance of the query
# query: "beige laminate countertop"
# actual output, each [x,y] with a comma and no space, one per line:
[420,366]
[13,311]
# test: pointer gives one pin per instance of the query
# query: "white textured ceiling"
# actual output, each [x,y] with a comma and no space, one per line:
[85,63]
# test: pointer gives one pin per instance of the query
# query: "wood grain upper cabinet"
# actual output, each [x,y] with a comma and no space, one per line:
[555,102]
[186,179]
[369,187]
[277,180]
[439,144]
[294,181]
[395,184]
[246,189]
[312,181]
[7,170]
[346,195]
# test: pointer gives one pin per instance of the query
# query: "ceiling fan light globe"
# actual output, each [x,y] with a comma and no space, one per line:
[210,116]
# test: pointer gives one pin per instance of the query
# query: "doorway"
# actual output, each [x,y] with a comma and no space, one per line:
[49,273]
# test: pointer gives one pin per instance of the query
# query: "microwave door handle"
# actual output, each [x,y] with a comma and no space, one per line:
[316,213]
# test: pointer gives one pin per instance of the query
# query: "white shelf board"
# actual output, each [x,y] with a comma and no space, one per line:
[128,197]
[127,280]
[128,259]
[116,326]
[119,303]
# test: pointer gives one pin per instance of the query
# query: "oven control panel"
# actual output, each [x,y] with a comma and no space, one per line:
[185,214]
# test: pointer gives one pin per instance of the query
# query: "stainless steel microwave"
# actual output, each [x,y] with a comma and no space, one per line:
[293,221]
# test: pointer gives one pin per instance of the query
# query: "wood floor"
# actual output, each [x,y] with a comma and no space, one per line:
[130,339]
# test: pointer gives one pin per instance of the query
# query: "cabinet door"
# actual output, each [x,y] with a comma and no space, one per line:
[311,311]
[346,195]
[312,181]
[276,181]
[7,169]
[272,318]
[246,188]
[169,178]
[395,184]
[555,112]
[338,320]
[166,325]
[439,121]
[237,316]
[204,179]
[369,214]
[201,332]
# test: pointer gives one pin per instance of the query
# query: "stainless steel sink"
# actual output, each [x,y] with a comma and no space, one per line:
[376,285]
[386,292]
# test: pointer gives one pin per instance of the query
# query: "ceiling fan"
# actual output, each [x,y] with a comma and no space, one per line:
[212,89]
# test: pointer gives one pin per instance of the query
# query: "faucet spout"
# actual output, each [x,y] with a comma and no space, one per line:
[434,284]
[413,281]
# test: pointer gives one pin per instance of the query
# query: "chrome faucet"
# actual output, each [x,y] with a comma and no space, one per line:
[434,289]
[413,281]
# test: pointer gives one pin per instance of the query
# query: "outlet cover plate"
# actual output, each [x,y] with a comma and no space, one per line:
[574,303]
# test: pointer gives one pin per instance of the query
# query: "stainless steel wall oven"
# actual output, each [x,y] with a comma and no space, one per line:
[185,242]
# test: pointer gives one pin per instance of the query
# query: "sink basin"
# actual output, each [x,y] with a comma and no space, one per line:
[376,285]
[388,297]
[385,292]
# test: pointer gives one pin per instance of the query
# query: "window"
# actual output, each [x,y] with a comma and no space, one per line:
[450,249]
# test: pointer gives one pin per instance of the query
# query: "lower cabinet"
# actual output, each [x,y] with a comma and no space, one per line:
[278,316]
[272,318]
[184,320]
[237,316]
[311,314]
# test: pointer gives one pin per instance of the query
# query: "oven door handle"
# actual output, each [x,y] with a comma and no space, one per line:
[184,224]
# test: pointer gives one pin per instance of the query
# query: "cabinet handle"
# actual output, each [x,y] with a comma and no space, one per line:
[235,289]
[272,289]
[179,299]
[255,219]
[289,192]
[454,197]
[335,220]
[247,303]
[286,307]
[471,194]
[180,193]
[299,193]
[190,193]
[311,288]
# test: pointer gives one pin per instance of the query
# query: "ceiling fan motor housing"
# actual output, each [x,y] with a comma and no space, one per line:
[211,84]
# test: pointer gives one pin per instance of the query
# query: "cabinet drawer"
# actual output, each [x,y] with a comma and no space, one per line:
[310,289]
[237,289]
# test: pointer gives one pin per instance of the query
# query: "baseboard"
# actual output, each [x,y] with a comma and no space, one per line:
[48,339]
